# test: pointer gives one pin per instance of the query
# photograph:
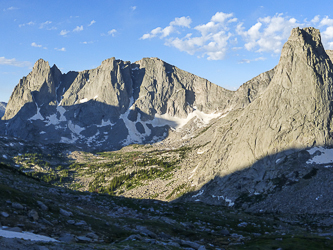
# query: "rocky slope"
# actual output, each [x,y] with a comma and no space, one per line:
[118,103]
[31,208]
[292,114]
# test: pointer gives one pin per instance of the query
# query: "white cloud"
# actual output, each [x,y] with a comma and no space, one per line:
[14,62]
[252,60]
[133,8]
[327,37]
[220,17]
[268,34]
[64,32]
[85,42]
[43,25]
[29,24]
[92,22]
[223,33]
[315,19]
[213,39]
[179,21]
[182,21]
[62,49]
[10,8]
[112,32]
[326,22]
[78,28]
[36,45]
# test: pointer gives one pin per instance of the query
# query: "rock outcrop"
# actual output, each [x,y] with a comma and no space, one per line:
[293,113]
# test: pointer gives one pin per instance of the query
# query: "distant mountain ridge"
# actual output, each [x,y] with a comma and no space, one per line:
[116,104]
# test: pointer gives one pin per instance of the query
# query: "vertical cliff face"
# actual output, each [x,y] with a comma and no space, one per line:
[112,105]
[38,88]
[293,112]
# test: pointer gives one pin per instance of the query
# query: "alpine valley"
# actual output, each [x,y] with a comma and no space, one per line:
[145,155]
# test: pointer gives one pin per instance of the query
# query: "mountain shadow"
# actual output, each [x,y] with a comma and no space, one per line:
[90,126]
[293,181]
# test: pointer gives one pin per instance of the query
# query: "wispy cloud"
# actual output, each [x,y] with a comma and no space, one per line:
[45,24]
[62,49]
[85,42]
[225,34]
[27,24]
[164,32]
[64,32]
[78,28]
[10,8]
[252,60]
[133,8]
[112,32]
[92,22]
[14,62]
[36,45]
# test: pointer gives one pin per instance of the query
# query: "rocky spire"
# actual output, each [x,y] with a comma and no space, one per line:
[38,87]
[293,112]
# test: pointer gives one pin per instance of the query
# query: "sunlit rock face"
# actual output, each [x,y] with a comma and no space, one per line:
[265,146]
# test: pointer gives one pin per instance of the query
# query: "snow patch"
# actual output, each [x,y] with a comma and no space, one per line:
[25,236]
[177,123]
[61,111]
[4,156]
[37,116]
[76,129]
[42,132]
[53,119]
[133,135]
[67,140]
[325,157]
[229,201]
[106,123]
[198,194]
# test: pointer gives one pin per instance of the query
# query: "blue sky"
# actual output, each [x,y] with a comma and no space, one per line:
[226,42]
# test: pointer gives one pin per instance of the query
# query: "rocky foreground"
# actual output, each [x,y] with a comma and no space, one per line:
[83,220]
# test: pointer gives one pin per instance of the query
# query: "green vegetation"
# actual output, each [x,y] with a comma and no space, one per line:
[112,173]
[180,190]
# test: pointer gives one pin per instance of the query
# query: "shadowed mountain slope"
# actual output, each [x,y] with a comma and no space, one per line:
[117,104]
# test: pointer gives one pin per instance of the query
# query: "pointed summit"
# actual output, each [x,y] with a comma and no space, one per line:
[293,112]
[41,65]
